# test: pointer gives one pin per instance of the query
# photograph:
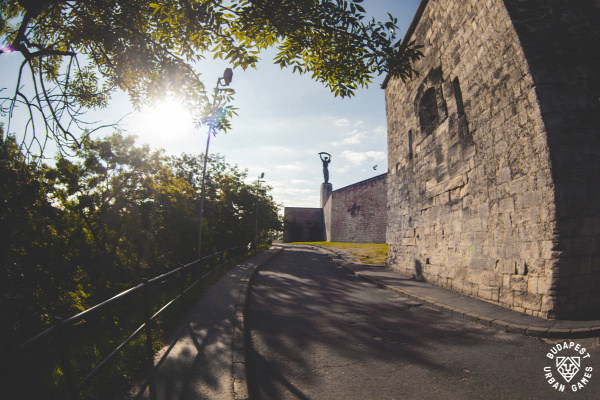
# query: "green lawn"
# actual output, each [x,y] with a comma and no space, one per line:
[368,253]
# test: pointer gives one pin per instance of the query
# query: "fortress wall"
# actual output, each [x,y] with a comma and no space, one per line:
[560,40]
[470,191]
[303,224]
[358,213]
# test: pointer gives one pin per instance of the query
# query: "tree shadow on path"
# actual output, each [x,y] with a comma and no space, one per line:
[306,318]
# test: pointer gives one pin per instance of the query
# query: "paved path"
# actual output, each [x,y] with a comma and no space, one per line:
[204,358]
[318,332]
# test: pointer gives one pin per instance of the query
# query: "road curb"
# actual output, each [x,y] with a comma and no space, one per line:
[346,262]
[240,381]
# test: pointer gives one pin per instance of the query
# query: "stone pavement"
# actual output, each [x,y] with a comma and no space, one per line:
[464,307]
[205,357]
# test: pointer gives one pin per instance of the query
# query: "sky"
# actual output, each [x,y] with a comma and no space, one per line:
[284,120]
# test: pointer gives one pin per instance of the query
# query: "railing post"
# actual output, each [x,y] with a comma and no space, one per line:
[62,347]
[181,285]
[149,349]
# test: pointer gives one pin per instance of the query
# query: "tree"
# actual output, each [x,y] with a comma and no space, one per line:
[138,217]
[148,49]
[37,276]
[93,225]
[230,212]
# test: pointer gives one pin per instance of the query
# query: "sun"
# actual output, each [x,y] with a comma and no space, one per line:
[167,124]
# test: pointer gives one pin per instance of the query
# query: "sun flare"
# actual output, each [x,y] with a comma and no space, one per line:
[163,125]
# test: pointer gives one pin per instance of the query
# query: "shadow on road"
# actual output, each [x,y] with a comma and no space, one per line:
[307,317]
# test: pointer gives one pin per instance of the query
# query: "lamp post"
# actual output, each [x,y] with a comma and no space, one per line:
[210,120]
[258,181]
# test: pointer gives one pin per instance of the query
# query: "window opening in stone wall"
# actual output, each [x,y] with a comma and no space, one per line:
[458,96]
[463,126]
[410,144]
[428,109]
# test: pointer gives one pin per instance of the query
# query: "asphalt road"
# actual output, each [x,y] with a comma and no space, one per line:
[317,332]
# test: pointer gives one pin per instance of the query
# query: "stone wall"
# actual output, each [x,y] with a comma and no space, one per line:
[491,187]
[560,40]
[303,224]
[358,213]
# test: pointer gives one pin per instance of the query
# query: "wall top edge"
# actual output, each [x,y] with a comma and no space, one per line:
[409,32]
[369,180]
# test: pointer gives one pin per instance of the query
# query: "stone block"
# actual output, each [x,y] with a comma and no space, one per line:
[506,297]
[485,292]
[454,183]
[581,284]
[543,284]
[585,265]
[532,301]
[532,284]
[518,283]
[517,298]
[503,175]
[506,205]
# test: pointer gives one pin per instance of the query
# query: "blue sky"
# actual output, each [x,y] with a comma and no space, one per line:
[284,121]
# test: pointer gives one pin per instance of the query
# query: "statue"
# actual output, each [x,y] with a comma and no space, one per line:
[326,158]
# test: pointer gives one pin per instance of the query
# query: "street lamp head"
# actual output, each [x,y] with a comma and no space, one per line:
[262,175]
[228,76]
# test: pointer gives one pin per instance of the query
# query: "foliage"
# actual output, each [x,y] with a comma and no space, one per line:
[150,49]
[88,227]
[36,277]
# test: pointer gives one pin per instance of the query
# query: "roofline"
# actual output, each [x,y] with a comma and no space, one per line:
[409,32]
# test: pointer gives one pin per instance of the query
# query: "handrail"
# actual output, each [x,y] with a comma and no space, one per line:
[62,324]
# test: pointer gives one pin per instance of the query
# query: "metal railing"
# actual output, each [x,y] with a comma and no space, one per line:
[58,330]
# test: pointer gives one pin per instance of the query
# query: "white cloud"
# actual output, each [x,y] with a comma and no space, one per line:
[380,130]
[342,122]
[358,158]
[356,138]
[351,137]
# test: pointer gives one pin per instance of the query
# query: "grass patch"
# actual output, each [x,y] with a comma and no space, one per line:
[368,253]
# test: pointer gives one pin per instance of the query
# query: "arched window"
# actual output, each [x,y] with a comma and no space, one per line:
[428,109]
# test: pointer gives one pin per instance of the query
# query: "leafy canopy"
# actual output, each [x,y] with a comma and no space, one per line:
[90,226]
[150,49]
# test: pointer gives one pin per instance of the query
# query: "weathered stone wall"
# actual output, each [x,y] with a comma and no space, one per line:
[561,40]
[303,224]
[483,198]
[358,213]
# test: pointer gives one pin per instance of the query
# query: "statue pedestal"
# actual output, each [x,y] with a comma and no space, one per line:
[326,190]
